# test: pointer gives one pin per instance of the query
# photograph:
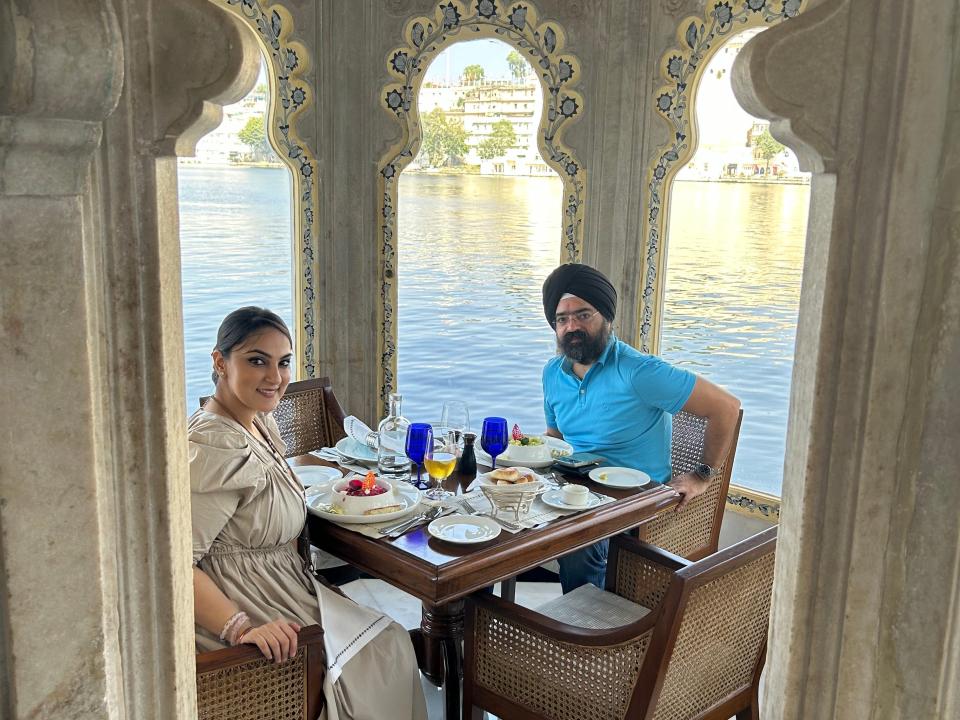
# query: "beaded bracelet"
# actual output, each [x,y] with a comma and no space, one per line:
[232,626]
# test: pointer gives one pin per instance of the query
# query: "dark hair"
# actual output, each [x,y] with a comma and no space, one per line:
[241,324]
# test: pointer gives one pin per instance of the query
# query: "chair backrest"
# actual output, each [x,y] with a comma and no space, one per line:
[309,416]
[241,684]
[693,533]
[710,642]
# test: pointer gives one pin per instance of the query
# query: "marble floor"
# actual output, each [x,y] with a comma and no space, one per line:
[405,609]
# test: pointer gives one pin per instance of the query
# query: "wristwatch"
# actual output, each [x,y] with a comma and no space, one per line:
[706,472]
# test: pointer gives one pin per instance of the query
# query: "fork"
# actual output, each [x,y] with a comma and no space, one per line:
[473,511]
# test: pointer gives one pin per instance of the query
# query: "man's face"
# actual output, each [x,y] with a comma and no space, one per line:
[582,332]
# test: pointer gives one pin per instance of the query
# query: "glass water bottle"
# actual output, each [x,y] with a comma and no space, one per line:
[392,461]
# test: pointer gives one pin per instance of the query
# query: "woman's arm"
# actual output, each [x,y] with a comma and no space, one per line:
[212,610]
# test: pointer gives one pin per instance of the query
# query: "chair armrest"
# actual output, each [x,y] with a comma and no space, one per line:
[559,632]
[641,572]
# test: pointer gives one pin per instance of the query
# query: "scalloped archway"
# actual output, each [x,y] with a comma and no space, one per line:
[290,94]
[682,68]
[518,24]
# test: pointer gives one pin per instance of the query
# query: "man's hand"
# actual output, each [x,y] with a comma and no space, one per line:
[689,485]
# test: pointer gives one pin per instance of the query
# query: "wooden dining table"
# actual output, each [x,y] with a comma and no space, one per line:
[442,574]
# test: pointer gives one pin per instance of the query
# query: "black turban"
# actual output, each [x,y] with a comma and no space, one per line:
[584,282]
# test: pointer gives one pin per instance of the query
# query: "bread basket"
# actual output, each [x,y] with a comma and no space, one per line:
[513,500]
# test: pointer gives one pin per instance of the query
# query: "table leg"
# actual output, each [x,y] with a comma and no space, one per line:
[441,629]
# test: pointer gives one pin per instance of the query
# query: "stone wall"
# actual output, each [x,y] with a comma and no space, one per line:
[98,97]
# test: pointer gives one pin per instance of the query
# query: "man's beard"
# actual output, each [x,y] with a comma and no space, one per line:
[590,347]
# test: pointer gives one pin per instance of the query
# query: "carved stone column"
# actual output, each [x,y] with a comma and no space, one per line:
[865,620]
[96,97]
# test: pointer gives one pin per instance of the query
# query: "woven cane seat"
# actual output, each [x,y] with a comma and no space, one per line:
[590,607]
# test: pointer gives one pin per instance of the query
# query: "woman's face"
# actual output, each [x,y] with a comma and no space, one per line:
[257,371]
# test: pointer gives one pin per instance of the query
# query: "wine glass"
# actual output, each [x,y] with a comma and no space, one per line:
[440,463]
[494,437]
[455,416]
[419,440]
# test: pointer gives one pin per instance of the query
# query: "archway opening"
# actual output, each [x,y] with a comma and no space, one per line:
[479,229]
[737,227]
[236,240]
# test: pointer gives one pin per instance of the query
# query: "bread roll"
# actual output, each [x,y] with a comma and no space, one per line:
[510,475]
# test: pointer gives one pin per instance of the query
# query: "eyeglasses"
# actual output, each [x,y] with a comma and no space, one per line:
[582,318]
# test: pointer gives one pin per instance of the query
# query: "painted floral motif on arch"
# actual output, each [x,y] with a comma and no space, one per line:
[541,42]
[287,62]
[697,39]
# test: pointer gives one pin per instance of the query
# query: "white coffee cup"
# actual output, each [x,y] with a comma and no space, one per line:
[574,494]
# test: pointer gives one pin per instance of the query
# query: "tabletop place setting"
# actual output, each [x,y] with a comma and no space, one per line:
[394,478]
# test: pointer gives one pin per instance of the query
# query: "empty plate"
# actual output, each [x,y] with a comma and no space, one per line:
[358,451]
[619,477]
[464,529]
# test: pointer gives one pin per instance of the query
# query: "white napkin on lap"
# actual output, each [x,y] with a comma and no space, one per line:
[355,428]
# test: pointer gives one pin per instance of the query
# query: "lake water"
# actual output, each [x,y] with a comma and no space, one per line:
[473,255]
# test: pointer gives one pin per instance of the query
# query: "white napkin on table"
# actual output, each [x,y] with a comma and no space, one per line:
[355,428]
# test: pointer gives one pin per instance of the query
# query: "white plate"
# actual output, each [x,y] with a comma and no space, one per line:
[316,475]
[407,496]
[504,461]
[554,498]
[619,477]
[352,449]
[464,529]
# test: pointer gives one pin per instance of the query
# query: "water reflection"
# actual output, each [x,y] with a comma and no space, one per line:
[473,254]
[235,250]
[730,311]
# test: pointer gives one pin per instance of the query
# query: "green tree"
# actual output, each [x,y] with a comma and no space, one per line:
[766,147]
[519,67]
[499,141]
[444,139]
[254,136]
[473,73]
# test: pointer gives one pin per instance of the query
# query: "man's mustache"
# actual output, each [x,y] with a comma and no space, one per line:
[573,334]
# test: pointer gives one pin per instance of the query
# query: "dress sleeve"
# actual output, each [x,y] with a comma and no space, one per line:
[225,475]
[663,385]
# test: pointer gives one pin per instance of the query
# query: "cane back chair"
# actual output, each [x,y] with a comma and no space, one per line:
[697,653]
[241,684]
[694,532]
[309,416]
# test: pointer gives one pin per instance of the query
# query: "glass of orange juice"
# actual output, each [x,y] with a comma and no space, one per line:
[440,462]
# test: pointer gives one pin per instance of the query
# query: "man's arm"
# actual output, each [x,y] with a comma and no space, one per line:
[553,432]
[721,409]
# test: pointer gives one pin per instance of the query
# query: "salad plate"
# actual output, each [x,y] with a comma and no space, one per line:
[511,458]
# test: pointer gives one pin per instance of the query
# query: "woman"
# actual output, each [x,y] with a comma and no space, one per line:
[250,584]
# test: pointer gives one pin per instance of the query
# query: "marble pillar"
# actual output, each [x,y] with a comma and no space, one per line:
[96,99]
[865,620]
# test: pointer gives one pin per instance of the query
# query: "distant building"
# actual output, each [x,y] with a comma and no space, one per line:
[727,134]
[479,106]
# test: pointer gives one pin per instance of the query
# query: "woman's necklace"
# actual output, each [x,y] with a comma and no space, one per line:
[274,452]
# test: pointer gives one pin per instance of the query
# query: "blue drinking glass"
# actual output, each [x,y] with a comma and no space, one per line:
[419,438]
[494,437]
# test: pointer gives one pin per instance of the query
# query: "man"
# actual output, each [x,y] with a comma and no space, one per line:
[603,396]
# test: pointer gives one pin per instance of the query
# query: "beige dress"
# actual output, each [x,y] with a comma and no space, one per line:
[247,517]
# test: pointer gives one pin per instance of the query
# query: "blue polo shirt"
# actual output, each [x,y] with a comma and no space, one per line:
[621,409]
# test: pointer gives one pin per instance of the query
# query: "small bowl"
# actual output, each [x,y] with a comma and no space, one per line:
[575,495]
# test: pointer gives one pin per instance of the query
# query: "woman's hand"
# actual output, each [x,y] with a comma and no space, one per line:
[277,640]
